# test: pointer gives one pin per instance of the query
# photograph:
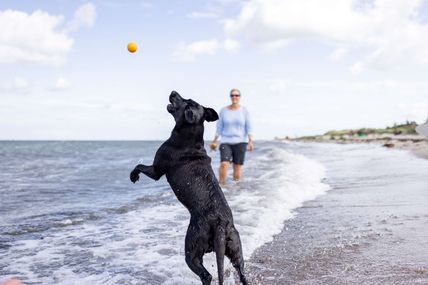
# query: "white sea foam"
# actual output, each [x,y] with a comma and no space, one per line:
[290,180]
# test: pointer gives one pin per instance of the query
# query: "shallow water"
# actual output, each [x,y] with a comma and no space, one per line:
[69,213]
[371,228]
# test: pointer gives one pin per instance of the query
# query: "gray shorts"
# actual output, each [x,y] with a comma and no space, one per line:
[233,152]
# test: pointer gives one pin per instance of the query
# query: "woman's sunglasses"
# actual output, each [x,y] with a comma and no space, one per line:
[235,95]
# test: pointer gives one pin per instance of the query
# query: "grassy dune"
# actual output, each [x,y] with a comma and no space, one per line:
[407,128]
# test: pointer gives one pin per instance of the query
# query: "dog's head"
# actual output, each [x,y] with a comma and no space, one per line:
[187,111]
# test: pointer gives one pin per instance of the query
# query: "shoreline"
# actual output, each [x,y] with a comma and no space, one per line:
[416,144]
[368,233]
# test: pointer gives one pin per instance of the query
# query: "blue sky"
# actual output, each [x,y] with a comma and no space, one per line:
[303,67]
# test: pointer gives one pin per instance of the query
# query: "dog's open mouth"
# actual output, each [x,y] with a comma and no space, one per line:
[170,107]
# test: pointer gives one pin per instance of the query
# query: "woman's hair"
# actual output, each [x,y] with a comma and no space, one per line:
[235,89]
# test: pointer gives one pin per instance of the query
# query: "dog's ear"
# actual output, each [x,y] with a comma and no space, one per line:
[189,115]
[210,114]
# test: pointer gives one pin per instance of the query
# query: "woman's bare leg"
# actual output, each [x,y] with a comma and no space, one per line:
[237,172]
[224,166]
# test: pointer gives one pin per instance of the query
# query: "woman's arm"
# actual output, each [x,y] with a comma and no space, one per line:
[249,130]
[219,128]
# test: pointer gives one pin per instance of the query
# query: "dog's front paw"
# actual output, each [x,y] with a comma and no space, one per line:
[135,175]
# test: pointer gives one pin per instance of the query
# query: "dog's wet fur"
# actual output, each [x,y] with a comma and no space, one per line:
[184,161]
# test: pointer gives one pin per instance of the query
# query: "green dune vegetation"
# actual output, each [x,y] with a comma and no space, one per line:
[407,128]
[401,136]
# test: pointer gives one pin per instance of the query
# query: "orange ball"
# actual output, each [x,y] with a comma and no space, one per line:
[132,47]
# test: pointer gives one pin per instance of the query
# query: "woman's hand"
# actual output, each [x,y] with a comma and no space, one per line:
[250,146]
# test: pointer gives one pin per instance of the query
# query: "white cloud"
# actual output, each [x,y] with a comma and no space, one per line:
[202,15]
[18,85]
[32,38]
[338,53]
[39,38]
[274,45]
[189,51]
[389,31]
[61,84]
[84,16]
[231,45]
[357,67]
[146,5]
[278,86]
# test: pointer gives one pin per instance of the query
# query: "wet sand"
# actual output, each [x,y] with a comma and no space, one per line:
[351,235]
[419,149]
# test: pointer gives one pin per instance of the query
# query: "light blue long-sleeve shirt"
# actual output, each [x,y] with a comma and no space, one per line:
[233,126]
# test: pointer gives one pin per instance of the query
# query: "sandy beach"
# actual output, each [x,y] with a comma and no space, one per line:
[358,233]
[419,148]
[416,144]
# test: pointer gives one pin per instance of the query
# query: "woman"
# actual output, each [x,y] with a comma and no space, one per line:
[233,129]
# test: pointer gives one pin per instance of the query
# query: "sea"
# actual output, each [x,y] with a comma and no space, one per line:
[70,215]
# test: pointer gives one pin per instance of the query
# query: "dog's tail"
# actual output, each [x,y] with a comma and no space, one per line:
[220,248]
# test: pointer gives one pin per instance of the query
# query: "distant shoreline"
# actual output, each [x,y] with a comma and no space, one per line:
[416,144]
[399,136]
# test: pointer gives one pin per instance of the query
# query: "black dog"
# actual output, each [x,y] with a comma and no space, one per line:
[184,161]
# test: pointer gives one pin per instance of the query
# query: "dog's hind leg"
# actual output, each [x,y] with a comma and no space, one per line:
[220,248]
[195,264]
[195,248]
[234,253]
